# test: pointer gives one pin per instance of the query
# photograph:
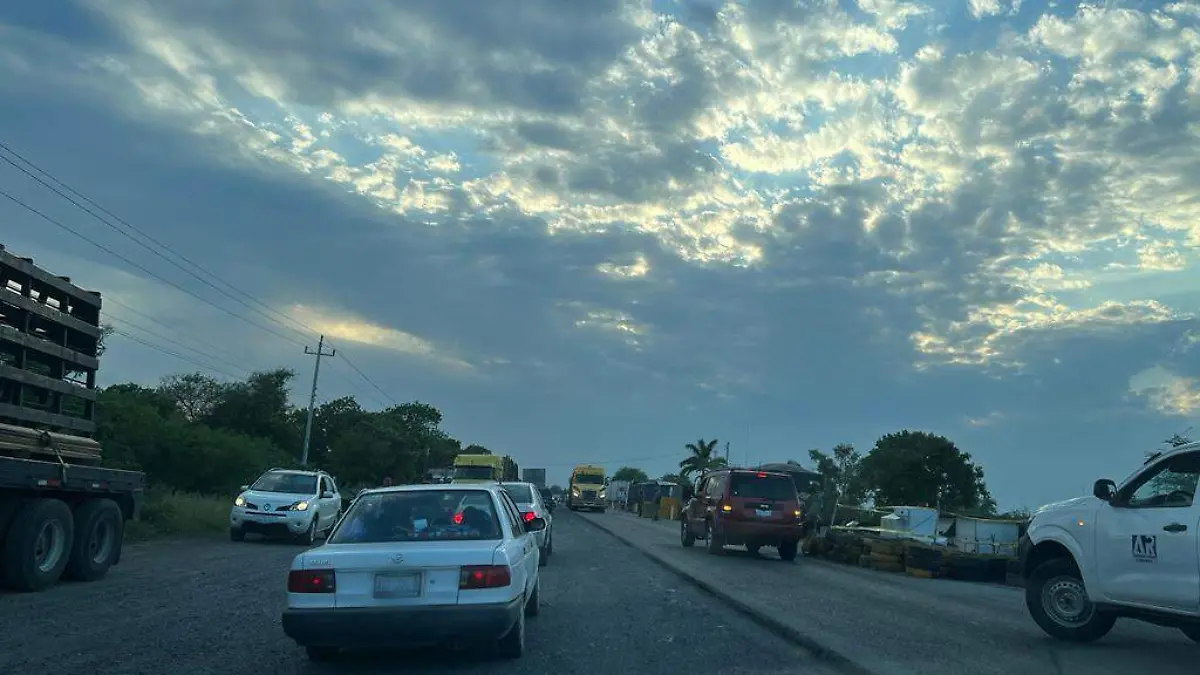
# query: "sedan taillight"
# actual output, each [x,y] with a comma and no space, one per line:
[484,576]
[312,581]
[529,516]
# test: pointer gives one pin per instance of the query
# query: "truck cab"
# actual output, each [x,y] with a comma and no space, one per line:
[478,469]
[1129,550]
[587,488]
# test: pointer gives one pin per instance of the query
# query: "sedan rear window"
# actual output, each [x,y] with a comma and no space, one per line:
[419,515]
[520,494]
[752,486]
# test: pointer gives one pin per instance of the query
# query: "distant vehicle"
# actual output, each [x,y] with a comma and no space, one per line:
[587,488]
[62,515]
[478,469]
[548,498]
[418,564]
[734,507]
[531,504]
[1127,551]
[286,503]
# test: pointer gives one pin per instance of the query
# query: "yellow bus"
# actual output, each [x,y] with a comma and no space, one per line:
[478,469]
[587,488]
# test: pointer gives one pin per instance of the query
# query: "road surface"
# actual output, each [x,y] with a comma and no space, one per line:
[892,624]
[201,607]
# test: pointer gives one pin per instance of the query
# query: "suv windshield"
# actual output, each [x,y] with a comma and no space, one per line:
[475,472]
[589,479]
[521,494]
[752,486]
[293,483]
[419,515]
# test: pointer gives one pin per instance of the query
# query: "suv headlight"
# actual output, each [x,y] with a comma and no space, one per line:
[299,506]
[240,501]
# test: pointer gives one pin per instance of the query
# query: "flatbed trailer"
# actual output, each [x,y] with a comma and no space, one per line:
[62,515]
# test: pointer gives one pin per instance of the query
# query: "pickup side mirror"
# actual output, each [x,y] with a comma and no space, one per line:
[1104,489]
[327,495]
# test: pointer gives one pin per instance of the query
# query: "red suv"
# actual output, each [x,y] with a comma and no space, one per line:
[734,507]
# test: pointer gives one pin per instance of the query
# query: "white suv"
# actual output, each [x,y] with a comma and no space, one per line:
[1130,551]
[287,503]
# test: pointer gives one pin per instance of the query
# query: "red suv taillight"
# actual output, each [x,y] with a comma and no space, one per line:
[529,516]
[311,581]
[484,576]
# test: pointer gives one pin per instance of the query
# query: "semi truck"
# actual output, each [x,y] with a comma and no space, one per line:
[587,488]
[62,514]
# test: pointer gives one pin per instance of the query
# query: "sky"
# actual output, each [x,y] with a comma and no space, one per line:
[596,231]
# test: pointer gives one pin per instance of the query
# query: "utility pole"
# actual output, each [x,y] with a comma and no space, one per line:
[312,397]
[727,452]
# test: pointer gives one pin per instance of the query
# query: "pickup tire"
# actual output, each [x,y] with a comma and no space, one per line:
[1192,631]
[38,545]
[1057,600]
[99,531]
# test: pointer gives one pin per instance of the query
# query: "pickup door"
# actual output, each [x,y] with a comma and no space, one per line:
[1147,545]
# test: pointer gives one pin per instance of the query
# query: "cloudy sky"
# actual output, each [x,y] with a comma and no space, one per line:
[598,230]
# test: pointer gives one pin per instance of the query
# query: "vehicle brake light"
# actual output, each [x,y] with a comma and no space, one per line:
[762,475]
[529,516]
[726,508]
[484,576]
[458,519]
[312,581]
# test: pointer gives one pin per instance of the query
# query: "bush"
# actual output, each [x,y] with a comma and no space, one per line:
[180,514]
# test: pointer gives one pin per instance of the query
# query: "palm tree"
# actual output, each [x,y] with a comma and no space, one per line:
[701,459]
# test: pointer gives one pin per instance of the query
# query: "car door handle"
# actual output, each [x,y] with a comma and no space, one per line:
[1175,527]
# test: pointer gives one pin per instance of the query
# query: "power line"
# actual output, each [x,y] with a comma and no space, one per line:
[177,355]
[368,380]
[213,357]
[147,236]
[139,267]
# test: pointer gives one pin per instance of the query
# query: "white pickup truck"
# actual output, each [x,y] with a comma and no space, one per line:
[1128,551]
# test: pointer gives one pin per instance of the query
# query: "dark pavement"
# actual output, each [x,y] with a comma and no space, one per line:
[201,607]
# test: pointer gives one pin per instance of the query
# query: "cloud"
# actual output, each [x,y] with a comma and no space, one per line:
[834,218]
[1168,392]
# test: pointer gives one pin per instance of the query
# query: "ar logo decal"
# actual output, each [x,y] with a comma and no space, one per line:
[1145,547]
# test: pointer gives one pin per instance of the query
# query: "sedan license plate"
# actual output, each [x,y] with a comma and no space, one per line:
[391,585]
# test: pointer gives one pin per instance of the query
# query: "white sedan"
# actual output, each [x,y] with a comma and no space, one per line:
[418,565]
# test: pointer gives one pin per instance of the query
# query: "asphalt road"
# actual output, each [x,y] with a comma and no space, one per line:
[198,607]
[893,624]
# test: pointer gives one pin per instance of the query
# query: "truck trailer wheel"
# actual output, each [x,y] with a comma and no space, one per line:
[38,545]
[99,532]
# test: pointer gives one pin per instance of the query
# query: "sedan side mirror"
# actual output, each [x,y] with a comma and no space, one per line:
[1104,489]
[535,525]
[244,488]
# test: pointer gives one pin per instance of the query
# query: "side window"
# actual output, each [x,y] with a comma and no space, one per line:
[1172,484]
[322,486]
[510,512]
[332,485]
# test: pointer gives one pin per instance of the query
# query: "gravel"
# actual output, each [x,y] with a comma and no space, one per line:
[196,607]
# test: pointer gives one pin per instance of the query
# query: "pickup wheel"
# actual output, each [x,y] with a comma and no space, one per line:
[1192,631]
[1059,604]
[38,545]
[99,531]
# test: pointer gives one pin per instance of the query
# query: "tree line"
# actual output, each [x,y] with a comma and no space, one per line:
[913,468]
[194,433]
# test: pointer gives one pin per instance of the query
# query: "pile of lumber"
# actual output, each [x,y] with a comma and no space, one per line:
[28,443]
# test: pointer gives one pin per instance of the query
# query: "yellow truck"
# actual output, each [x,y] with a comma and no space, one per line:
[478,469]
[587,488]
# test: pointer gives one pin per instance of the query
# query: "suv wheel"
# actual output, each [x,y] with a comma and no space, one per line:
[788,550]
[716,545]
[1059,604]
[685,534]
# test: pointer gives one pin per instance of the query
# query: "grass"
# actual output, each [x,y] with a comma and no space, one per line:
[179,514]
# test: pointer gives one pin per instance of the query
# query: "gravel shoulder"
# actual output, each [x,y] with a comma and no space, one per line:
[898,625]
[200,607]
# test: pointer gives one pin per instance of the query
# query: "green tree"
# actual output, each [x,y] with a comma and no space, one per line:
[195,395]
[258,407]
[630,474]
[918,468]
[673,478]
[702,459]
[841,471]
[474,449]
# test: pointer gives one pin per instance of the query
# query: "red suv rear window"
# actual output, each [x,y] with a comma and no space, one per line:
[751,486]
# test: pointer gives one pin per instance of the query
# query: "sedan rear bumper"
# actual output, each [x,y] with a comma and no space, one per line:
[398,626]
